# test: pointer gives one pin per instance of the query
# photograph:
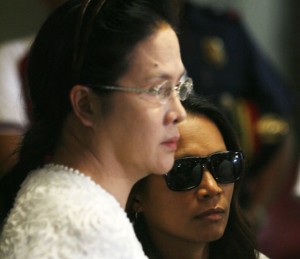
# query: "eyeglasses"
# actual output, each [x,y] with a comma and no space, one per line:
[186,174]
[162,91]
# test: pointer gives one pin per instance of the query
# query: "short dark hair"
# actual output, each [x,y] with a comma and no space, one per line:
[238,240]
[78,44]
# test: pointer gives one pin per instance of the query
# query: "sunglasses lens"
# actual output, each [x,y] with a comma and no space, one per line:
[226,167]
[185,174]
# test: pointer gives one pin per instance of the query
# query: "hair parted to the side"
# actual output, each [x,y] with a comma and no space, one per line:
[238,240]
[106,38]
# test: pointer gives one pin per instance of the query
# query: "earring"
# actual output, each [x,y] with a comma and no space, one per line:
[136,215]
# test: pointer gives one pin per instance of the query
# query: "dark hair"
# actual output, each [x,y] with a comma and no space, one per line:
[82,42]
[238,240]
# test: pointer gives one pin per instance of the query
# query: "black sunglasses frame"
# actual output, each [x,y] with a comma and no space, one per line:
[211,163]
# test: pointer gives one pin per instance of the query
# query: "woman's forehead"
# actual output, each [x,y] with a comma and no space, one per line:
[157,56]
[199,136]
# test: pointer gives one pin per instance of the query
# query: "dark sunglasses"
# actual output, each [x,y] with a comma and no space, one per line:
[225,167]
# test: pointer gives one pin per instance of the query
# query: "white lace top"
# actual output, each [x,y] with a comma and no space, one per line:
[61,213]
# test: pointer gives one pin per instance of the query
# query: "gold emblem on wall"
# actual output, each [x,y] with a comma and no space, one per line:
[272,128]
[213,51]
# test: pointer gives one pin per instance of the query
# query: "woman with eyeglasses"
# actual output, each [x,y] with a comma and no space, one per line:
[106,80]
[193,211]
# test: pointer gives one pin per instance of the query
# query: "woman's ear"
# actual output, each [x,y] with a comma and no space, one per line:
[82,103]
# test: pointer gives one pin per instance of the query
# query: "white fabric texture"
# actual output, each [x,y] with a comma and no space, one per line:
[12,106]
[61,213]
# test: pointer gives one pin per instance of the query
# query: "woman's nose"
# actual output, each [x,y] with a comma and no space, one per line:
[208,187]
[177,112]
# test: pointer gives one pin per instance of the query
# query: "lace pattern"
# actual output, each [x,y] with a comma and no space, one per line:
[61,213]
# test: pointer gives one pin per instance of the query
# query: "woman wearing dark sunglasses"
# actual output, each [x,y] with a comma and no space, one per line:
[106,80]
[193,211]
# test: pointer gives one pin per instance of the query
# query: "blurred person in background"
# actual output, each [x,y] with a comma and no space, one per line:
[14,100]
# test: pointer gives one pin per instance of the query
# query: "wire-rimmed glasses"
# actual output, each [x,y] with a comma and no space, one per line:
[162,91]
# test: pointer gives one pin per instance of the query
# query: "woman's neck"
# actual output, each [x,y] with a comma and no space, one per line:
[173,248]
[174,252]
[102,169]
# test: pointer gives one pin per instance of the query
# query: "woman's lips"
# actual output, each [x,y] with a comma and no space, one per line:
[211,214]
[171,143]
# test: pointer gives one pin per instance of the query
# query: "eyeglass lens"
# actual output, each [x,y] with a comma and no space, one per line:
[186,174]
[185,88]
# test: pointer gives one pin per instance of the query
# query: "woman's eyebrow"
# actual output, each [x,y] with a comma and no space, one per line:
[168,76]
